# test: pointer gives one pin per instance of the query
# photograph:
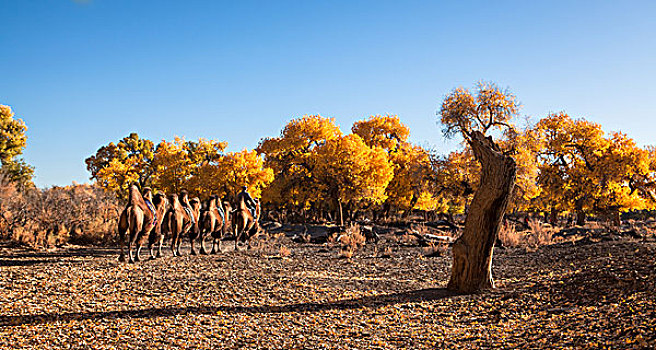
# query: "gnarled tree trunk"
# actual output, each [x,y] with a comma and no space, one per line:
[472,252]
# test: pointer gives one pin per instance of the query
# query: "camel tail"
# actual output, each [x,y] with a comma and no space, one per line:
[135,225]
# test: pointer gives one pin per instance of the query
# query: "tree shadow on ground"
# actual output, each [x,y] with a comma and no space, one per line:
[370,301]
[26,262]
[67,253]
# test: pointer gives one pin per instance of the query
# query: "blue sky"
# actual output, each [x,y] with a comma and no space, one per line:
[84,73]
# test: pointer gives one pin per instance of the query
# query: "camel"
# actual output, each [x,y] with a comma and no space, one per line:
[137,220]
[213,223]
[194,230]
[244,224]
[181,219]
[156,235]
[217,236]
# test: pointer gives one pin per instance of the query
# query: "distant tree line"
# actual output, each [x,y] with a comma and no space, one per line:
[312,171]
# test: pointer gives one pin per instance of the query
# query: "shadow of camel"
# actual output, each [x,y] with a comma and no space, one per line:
[370,301]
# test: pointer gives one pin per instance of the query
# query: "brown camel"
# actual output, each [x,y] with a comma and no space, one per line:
[181,219]
[244,224]
[156,235]
[137,220]
[212,223]
[194,230]
[218,236]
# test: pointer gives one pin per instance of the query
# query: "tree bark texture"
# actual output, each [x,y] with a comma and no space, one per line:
[472,252]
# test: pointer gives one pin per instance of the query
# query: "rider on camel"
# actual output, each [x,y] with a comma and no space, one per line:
[219,206]
[148,198]
[184,200]
[248,200]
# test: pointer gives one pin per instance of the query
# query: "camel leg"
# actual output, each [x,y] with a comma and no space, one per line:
[178,243]
[123,227]
[151,244]
[130,257]
[122,243]
[216,245]
[203,250]
[174,244]
[138,255]
[192,240]
[159,248]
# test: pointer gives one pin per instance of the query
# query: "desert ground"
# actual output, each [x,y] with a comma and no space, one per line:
[587,293]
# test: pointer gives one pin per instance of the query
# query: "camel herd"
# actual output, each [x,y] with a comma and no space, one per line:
[152,218]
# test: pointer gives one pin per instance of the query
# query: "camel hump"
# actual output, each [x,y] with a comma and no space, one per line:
[134,197]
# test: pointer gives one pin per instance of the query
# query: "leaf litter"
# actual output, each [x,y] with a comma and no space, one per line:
[569,295]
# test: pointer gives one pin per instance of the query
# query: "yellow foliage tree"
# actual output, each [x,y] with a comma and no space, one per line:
[245,168]
[412,174]
[619,165]
[203,156]
[349,171]
[582,169]
[524,145]
[455,181]
[12,143]
[412,167]
[173,166]
[116,166]
[473,116]
[204,151]
[386,132]
[116,175]
[290,156]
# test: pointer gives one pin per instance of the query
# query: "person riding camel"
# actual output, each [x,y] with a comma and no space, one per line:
[184,200]
[148,198]
[248,200]
[219,207]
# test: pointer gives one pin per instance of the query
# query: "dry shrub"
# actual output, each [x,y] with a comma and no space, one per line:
[539,234]
[277,236]
[331,241]
[346,253]
[421,229]
[80,214]
[387,252]
[407,239]
[509,236]
[435,250]
[596,225]
[284,252]
[351,241]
